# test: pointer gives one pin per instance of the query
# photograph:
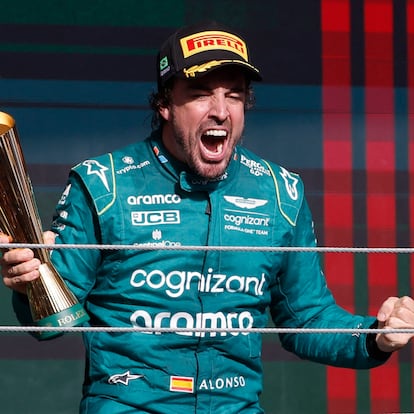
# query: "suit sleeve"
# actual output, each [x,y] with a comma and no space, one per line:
[76,222]
[301,299]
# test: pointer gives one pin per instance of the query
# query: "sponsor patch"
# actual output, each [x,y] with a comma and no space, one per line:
[94,167]
[213,40]
[153,218]
[290,183]
[64,195]
[136,200]
[123,378]
[256,168]
[242,202]
[182,384]
[131,166]
[161,158]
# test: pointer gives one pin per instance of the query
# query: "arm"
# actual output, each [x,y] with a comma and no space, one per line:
[301,299]
[75,222]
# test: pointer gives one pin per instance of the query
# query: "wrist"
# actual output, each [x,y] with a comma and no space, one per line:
[373,349]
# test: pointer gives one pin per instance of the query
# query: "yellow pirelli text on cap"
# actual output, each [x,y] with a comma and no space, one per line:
[182,384]
[213,40]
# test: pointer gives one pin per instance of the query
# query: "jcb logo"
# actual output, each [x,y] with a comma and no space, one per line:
[152,218]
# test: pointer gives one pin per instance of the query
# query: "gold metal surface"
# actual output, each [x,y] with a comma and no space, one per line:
[19,218]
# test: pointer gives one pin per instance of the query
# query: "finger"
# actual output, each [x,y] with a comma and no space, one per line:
[16,284]
[15,256]
[4,238]
[24,271]
[389,342]
[12,281]
[49,237]
[19,283]
[402,314]
[386,309]
[406,302]
[16,277]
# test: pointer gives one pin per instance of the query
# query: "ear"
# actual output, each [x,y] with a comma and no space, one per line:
[164,112]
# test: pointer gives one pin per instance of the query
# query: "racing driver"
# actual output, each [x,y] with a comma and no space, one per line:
[190,183]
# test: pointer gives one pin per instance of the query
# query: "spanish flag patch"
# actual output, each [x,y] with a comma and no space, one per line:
[182,384]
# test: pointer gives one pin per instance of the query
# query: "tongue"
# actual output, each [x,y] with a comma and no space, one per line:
[213,144]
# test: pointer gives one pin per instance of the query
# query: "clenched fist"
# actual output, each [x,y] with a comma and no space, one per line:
[19,266]
[395,313]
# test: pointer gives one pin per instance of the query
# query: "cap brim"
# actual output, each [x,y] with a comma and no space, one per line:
[207,67]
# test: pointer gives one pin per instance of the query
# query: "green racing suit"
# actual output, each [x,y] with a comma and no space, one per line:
[139,196]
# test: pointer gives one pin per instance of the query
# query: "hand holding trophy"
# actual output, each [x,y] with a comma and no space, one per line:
[51,301]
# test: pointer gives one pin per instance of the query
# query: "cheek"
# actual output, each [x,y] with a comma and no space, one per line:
[238,122]
[185,120]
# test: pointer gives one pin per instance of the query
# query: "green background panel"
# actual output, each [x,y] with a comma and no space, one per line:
[40,387]
[294,387]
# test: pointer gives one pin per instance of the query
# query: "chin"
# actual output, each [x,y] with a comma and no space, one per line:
[212,172]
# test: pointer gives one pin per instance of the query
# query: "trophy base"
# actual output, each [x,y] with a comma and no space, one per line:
[72,316]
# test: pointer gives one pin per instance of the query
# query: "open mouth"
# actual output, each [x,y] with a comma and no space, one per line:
[213,144]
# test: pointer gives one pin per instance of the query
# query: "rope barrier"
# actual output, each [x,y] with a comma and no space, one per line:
[124,329]
[158,246]
[155,246]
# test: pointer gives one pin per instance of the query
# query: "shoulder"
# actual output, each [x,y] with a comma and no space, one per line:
[102,169]
[125,154]
[288,185]
[100,175]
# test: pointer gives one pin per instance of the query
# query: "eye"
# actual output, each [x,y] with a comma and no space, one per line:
[237,96]
[199,94]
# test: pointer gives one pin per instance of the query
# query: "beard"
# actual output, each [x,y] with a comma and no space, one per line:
[189,150]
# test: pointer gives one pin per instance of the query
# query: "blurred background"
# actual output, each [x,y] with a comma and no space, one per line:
[336,106]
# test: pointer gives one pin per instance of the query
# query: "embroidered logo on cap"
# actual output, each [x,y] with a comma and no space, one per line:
[213,40]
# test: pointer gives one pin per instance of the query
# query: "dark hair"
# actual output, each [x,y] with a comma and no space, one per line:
[162,98]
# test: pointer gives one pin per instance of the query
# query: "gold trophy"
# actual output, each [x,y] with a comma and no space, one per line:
[51,301]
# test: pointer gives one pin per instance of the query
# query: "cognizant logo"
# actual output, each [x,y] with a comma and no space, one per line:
[247,220]
[207,320]
[176,282]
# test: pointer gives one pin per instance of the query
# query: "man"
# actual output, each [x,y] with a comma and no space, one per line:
[190,183]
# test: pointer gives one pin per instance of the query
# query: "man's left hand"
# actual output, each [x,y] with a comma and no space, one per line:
[395,313]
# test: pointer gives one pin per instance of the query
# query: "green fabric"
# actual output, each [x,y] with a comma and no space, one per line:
[138,196]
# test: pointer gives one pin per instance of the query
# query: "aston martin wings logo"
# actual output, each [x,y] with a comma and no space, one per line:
[248,203]
[94,167]
[123,378]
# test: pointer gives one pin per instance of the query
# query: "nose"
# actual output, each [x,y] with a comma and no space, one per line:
[219,107]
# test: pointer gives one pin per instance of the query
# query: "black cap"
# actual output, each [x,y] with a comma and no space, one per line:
[195,50]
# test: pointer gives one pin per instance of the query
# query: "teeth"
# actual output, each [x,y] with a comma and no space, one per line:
[216,133]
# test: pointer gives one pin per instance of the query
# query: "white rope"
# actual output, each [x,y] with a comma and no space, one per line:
[155,246]
[201,330]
